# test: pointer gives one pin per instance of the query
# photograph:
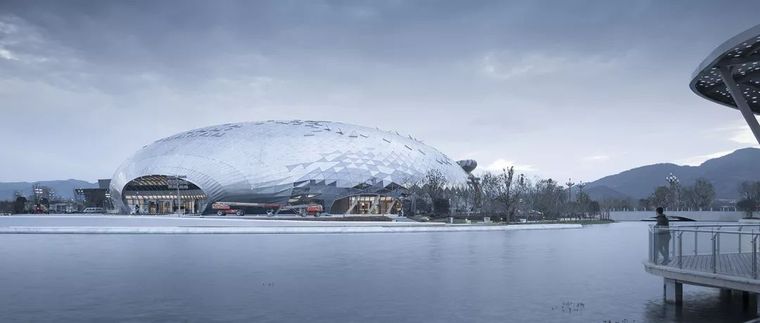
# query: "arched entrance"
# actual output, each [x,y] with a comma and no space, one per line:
[158,194]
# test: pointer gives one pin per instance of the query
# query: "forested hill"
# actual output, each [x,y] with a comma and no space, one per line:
[725,173]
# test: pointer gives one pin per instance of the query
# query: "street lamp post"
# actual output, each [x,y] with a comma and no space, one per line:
[582,208]
[570,185]
[178,183]
[179,198]
[673,181]
[580,186]
[569,196]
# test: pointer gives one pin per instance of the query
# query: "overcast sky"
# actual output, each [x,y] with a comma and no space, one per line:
[560,89]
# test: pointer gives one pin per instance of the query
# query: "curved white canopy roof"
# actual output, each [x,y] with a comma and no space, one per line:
[741,55]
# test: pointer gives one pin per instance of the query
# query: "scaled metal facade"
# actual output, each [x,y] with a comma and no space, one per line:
[288,162]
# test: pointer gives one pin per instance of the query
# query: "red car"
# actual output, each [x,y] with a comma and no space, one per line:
[224,209]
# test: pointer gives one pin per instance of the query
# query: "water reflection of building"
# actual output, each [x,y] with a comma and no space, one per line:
[347,169]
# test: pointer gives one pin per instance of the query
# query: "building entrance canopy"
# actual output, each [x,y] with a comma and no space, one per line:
[157,194]
[730,76]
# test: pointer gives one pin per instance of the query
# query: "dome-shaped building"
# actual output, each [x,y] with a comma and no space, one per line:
[343,167]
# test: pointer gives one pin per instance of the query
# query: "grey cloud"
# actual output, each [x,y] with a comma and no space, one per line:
[578,77]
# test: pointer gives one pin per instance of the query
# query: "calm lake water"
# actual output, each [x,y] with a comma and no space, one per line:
[592,274]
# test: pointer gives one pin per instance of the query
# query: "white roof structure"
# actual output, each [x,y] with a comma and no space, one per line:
[730,76]
[272,161]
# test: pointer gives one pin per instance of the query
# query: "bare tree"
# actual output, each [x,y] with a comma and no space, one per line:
[661,197]
[750,192]
[464,198]
[413,187]
[549,198]
[488,192]
[704,193]
[688,198]
[505,189]
[434,185]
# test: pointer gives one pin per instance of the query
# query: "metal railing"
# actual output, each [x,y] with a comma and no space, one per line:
[728,249]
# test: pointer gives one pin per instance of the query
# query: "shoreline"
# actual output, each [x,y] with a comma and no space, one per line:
[278,229]
[180,225]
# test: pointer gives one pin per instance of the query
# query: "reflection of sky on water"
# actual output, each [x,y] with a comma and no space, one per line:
[585,275]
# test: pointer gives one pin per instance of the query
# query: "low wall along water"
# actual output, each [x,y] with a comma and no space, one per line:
[705,216]
[168,225]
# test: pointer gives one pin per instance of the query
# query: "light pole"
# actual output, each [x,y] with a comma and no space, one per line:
[179,198]
[580,186]
[673,181]
[178,183]
[569,196]
[569,189]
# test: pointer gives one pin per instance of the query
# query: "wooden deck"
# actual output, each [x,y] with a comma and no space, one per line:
[730,269]
[733,271]
[734,264]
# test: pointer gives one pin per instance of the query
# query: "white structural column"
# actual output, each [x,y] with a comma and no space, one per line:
[740,100]
[673,291]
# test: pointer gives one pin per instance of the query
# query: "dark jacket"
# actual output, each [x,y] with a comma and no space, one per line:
[662,225]
[662,220]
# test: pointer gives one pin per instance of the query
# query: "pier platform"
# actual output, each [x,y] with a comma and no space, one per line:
[711,255]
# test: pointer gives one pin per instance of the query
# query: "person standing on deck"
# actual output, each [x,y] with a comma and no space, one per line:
[662,236]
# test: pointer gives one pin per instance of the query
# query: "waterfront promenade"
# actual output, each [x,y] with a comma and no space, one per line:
[120,224]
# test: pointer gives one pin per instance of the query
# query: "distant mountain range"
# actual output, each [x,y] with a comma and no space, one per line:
[725,173]
[62,188]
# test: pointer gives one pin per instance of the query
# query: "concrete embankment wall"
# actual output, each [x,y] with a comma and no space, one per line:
[279,230]
[168,225]
[705,216]
[171,221]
